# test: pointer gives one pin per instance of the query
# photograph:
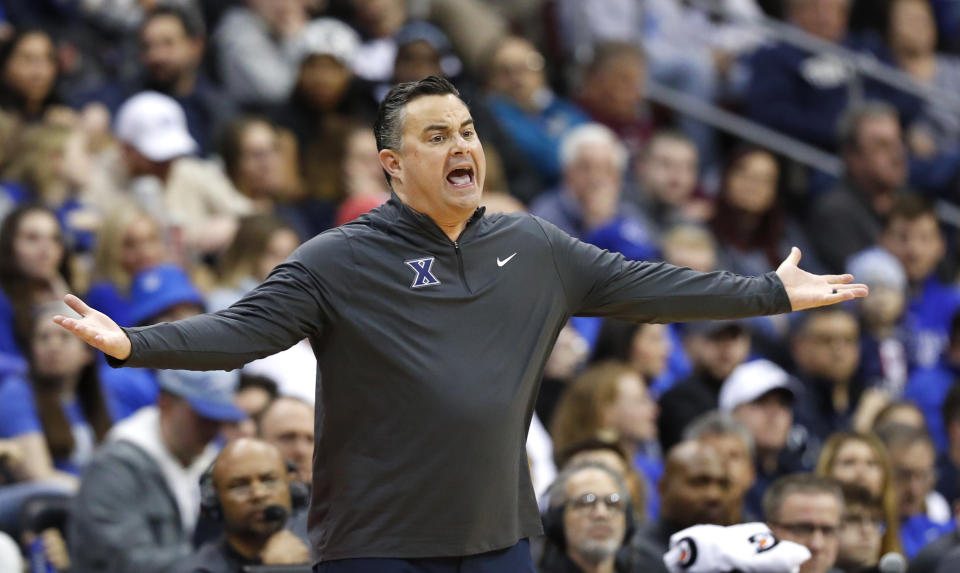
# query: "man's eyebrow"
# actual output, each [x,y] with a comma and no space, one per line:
[444,127]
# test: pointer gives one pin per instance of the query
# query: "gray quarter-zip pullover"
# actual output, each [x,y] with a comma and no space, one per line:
[431,353]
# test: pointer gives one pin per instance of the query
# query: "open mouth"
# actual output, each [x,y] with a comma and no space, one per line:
[461,176]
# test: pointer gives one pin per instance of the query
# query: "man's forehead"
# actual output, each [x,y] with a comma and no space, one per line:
[428,110]
[591,480]
[248,463]
[811,502]
[726,442]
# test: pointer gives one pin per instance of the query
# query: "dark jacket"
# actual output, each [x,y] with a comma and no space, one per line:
[125,518]
[216,557]
[431,352]
[688,400]
[842,222]
[650,544]
[804,95]
[928,559]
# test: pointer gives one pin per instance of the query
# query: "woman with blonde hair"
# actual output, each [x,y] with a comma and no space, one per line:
[129,241]
[610,397]
[50,165]
[862,459]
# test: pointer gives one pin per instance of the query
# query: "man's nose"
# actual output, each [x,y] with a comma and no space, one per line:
[258,490]
[817,540]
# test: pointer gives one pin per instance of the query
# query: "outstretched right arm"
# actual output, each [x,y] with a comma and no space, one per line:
[293,303]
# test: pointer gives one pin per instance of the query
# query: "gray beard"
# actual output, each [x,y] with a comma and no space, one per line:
[596,552]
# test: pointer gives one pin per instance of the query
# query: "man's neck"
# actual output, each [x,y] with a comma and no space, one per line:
[768,460]
[248,547]
[166,436]
[841,396]
[452,230]
[917,63]
[605,566]
[452,227]
[185,84]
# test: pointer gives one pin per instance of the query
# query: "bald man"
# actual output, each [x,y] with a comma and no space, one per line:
[249,479]
[693,490]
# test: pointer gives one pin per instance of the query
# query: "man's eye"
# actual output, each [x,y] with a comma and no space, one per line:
[437,139]
[467,134]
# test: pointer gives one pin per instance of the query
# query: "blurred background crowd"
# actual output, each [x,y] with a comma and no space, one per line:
[159,158]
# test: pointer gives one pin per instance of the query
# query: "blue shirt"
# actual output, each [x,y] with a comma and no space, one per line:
[919,530]
[19,416]
[927,321]
[127,389]
[927,388]
[8,339]
[651,468]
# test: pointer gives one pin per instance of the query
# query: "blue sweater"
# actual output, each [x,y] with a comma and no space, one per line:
[538,135]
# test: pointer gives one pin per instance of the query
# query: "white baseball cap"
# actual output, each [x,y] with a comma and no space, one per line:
[155,125]
[329,37]
[752,380]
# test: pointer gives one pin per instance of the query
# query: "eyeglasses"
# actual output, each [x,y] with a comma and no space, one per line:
[805,530]
[588,501]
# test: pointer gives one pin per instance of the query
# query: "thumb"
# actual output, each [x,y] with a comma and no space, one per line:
[794,257]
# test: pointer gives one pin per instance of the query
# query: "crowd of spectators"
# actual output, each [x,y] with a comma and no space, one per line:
[160,157]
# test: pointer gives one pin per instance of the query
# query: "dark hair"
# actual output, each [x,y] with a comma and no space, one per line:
[857,495]
[910,207]
[854,118]
[615,340]
[388,128]
[604,52]
[9,98]
[15,285]
[231,142]
[951,405]
[261,382]
[803,483]
[805,318]
[190,19]
[727,223]
[597,442]
[955,328]
[56,427]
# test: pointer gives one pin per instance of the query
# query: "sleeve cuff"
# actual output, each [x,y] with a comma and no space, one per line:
[117,363]
[782,302]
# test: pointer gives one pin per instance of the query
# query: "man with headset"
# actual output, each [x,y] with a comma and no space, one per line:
[247,490]
[589,521]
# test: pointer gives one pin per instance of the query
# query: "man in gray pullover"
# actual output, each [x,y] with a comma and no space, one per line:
[431,323]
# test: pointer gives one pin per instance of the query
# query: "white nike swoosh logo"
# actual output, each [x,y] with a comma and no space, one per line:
[505,261]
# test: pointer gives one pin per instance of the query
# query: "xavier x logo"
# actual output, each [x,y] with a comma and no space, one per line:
[422,268]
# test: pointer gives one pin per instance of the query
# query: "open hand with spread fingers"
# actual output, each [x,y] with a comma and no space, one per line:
[807,290]
[95,328]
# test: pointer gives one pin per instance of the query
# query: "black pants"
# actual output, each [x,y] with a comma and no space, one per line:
[514,559]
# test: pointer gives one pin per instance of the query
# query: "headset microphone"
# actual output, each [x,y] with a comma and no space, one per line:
[275,513]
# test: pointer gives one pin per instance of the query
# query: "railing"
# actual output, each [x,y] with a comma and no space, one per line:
[792,148]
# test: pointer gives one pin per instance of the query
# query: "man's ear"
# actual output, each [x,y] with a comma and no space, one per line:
[390,161]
